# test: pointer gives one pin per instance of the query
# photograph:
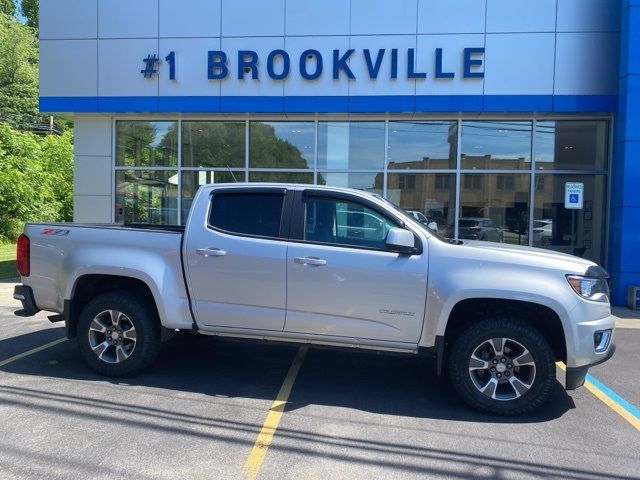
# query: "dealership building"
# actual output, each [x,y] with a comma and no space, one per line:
[507,120]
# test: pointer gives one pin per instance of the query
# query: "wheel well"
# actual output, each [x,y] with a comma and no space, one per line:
[540,317]
[89,286]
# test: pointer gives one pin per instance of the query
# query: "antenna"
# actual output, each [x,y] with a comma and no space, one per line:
[231,172]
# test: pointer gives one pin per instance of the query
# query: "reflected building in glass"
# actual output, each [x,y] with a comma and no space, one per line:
[491,180]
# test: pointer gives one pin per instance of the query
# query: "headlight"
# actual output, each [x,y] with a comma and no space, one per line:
[594,289]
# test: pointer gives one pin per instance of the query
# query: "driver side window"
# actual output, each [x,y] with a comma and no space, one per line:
[343,222]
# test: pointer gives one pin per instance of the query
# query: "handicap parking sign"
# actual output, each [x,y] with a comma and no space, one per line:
[573,195]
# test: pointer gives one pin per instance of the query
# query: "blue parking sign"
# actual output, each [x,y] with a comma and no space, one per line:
[573,195]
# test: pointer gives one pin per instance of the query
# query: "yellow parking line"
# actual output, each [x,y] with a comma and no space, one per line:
[31,352]
[261,445]
[618,406]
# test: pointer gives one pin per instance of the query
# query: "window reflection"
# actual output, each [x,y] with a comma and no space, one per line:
[344,223]
[422,145]
[497,210]
[146,144]
[147,196]
[371,182]
[351,145]
[577,232]
[193,179]
[496,145]
[281,145]
[281,177]
[427,197]
[493,206]
[213,144]
[571,145]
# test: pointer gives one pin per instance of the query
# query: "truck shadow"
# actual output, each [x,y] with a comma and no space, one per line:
[371,382]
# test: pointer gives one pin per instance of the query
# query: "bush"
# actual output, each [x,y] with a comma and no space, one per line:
[36,179]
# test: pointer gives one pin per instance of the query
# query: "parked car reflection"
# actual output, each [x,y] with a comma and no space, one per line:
[420,217]
[470,228]
[542,232]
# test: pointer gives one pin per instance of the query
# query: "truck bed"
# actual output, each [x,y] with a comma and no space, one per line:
[63,252]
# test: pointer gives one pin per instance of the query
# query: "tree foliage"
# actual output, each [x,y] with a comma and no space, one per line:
[29,8]
[18,73]
[35,179]
[7,7]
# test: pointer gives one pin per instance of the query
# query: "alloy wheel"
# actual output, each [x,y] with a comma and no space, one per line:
[502,369]
[112,336]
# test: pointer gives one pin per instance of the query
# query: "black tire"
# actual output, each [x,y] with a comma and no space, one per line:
[137,314]
[540,373]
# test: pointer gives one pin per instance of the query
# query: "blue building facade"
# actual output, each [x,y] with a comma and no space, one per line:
[625,195]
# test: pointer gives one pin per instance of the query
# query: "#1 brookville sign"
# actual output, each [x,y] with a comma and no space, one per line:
[310,65]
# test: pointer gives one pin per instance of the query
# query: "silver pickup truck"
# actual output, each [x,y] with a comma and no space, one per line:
[330,266]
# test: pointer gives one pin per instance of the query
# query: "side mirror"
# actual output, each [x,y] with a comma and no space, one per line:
[400,240]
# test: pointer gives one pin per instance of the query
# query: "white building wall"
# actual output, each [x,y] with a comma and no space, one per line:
[94,48]
[93,169]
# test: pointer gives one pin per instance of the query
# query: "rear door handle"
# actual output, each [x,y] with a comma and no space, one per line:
[211,252]
[310,261]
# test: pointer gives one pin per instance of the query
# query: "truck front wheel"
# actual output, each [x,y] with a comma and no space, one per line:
[502,366]
[118,335]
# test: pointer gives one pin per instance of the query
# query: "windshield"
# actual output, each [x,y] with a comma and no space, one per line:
[409,218]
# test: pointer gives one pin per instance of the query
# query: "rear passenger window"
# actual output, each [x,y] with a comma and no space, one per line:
[247,213]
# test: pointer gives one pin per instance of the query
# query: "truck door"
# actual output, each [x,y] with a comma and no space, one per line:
[236,260]
[341,280]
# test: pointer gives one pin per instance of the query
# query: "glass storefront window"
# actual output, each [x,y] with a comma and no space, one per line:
[146,144]
[371,182]
[420,174]
[496,145]
[350,145]
[422,145]
[288,145]
[577,232]
[147,196]
[496,211]
[281,177]
[571,145]
[428,195]
[213,144]
[192,179]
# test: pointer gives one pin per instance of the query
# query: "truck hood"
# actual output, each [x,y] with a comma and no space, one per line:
[529,255]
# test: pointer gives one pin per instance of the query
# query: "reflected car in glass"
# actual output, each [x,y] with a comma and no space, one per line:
[418,216]
[479,229]
[542,231]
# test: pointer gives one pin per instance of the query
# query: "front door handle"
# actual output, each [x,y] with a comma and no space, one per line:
[211,252]
[310,261]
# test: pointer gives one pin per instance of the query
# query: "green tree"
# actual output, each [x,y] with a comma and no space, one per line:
[18,73]
[29,8]
[8,7]
[35,179]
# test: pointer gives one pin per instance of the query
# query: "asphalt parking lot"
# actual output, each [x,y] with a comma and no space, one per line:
[199,413]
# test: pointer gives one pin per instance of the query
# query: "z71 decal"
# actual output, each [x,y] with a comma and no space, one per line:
[55,231]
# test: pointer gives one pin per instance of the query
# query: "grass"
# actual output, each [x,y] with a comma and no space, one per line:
[8,261]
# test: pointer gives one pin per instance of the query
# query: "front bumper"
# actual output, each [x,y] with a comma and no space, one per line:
[25,295]
[576,375]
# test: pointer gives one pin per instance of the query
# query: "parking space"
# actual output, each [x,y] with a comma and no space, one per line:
[198,411]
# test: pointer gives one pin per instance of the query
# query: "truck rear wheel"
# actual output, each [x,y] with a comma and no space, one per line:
[502,366]
[118,335]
